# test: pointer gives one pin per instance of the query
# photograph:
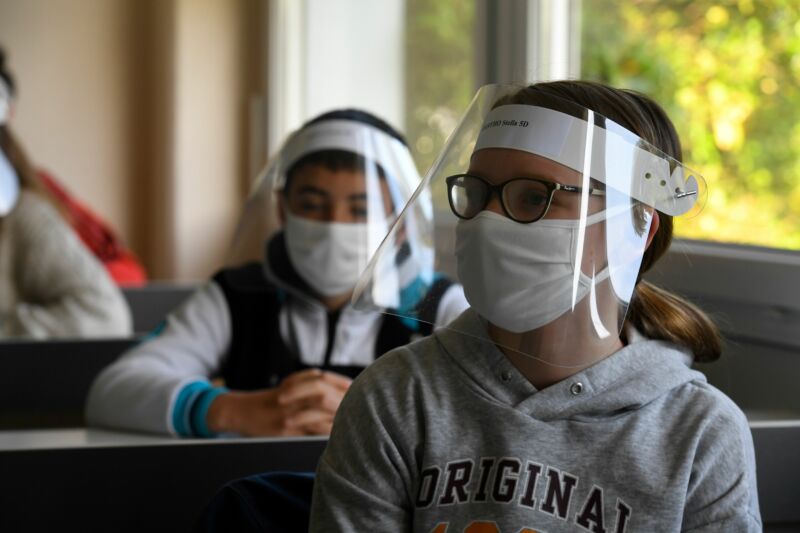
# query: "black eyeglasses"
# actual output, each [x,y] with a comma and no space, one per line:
[524,200]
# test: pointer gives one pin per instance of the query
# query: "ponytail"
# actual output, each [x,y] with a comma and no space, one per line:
[659,314]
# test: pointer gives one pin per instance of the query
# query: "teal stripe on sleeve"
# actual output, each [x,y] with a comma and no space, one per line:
[200,410]
[187,397]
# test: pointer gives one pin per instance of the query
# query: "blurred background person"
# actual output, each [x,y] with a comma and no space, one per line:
[280,331]
[123,266]
[50,283]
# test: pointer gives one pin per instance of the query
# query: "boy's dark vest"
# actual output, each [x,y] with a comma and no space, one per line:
[259,358]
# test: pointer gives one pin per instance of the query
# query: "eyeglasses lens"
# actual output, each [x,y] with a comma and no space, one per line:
[525,200]
[468,196]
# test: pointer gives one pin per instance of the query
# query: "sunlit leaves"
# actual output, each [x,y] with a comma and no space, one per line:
[728,73]
[439,72]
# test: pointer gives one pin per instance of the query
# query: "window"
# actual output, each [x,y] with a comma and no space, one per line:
[440,72]
[727,73]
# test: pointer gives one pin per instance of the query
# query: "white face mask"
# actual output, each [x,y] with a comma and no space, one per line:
[9,186]
[520,276]
[329,256]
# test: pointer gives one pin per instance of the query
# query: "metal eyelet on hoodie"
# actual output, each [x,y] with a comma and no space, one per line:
[505,376]
[576,388]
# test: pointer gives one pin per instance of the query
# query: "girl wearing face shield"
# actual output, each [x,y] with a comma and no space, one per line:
[280,330]
[563,399]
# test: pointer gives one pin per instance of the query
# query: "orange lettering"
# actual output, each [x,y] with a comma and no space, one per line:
[482,527]
[478,527]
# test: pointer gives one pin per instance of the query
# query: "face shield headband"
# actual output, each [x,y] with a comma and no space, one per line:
[360,138]
[650,176]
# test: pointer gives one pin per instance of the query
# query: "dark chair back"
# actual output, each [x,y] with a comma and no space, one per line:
[43,384]
[152,303]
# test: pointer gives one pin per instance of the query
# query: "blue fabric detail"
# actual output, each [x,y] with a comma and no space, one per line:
[183,406]
[410,323]
[199,410]
[155,332]
[274,501]
[411,295]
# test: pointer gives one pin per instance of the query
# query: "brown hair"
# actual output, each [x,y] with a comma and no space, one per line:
[655,312]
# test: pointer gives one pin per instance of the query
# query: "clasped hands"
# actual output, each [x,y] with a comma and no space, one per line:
[303,404]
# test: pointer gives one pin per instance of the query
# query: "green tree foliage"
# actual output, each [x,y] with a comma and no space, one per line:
[439,72]
[727,73]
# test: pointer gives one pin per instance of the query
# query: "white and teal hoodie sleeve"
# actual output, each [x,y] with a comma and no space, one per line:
[162,385]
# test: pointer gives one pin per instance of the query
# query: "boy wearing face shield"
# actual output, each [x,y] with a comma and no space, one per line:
[280,331]
[563,400]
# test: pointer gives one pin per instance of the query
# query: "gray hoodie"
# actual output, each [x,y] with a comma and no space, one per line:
[445,435]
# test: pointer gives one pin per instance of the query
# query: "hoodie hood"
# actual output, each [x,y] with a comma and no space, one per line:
[634,376]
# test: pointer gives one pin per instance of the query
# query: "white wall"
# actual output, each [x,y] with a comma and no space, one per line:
[334,54]
[140,108]
[209,111]
[355,56]
[71,61]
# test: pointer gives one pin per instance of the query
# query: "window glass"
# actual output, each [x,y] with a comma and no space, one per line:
[727,73]
[440,78]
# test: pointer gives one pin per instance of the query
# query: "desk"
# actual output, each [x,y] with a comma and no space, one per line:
[98,480]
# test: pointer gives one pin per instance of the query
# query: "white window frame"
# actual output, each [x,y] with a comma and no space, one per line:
[527,40]
[324,55]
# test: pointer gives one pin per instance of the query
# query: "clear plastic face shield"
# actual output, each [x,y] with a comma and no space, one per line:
[9,181]
[326,201]
[545,212]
